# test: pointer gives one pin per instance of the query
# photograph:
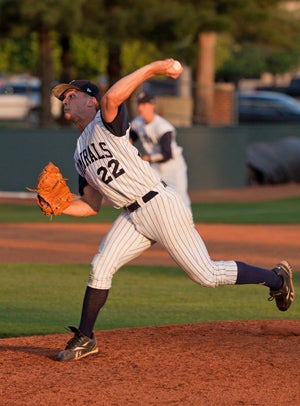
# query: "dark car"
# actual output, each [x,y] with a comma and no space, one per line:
[267,107]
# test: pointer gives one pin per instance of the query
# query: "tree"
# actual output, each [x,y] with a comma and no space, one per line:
[113,25]
[22,17]
[259,22]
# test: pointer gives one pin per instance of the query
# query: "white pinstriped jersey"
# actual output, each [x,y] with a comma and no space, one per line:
[111,164]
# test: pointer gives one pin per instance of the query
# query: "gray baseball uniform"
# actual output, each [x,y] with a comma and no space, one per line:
[174,170]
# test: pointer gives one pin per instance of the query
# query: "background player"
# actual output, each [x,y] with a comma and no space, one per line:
[158,139]
[109,165]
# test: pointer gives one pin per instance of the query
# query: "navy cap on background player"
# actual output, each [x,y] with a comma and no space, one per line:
[82,85]
[144,97]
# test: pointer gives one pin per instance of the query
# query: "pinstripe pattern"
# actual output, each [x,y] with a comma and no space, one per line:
[112,165]
[137,178]
[187,247]
[120,245]
[164,219]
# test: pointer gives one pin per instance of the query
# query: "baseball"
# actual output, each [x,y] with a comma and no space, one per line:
[177,65]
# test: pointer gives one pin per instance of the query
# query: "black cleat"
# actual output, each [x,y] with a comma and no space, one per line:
[285,295]
[79,346]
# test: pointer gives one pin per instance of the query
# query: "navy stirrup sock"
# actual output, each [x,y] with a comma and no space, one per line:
[248,274]
[94,300]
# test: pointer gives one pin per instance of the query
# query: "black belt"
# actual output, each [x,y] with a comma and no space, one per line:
[148,196]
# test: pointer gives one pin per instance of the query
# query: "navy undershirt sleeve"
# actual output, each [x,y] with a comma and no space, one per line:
[120,124]
[82,183]
[133,135]
[165,143]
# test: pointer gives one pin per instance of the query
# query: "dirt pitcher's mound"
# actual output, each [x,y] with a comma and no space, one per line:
[226,363]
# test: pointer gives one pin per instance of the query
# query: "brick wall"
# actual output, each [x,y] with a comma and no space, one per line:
[223,109]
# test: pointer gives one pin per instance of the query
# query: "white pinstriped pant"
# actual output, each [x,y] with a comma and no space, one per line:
[164,219]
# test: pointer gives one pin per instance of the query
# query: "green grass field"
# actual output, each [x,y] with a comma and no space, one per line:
[41,299]
[267,212]
[45,298]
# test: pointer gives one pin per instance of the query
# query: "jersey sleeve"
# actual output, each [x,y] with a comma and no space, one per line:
[82,183]
[165,149]
[133,135]
[120,125]
[165,143]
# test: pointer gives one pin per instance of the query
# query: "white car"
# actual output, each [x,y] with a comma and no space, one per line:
[14,107]
[21,100]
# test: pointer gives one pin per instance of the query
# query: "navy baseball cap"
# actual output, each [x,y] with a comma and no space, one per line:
[84,86]
[144,97]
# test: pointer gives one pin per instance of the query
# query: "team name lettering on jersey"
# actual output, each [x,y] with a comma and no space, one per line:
[93,153]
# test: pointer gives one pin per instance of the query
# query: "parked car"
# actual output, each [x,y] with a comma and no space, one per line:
[267,107]
[14,107]
[29,88]
[293,89]
[20,99]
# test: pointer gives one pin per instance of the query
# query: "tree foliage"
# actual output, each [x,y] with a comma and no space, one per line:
[117,24]
[269,42]
[58,39]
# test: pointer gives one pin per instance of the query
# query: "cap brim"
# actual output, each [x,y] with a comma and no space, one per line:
[60,89]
